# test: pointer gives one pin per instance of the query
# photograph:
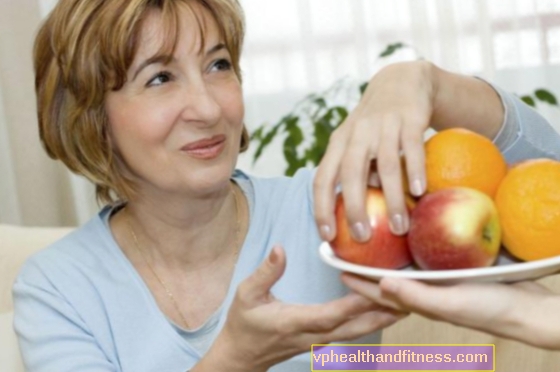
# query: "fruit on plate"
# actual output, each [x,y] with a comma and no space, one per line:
[384,249]
[528,203]
[459,157]
[454,228]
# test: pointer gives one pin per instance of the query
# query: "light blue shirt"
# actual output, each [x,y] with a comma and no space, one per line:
[81,306]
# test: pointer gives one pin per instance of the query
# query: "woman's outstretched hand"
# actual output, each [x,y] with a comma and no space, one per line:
[524,311]
[262,331]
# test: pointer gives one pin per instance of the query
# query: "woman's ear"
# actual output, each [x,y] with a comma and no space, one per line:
[245,139]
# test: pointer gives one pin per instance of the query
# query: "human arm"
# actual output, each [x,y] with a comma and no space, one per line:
[51,334]
[262,331]
[400,103]
[524,311]
[56,334]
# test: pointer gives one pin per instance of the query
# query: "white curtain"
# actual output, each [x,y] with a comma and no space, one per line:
[293,48]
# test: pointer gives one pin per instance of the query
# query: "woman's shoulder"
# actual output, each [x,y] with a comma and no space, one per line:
[82,249]
[281,200]
[302,180]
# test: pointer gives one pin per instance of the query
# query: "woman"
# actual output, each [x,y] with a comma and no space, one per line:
[178,270]
[527,312]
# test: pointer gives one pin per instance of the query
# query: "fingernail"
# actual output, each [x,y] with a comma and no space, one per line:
[273,256]
[398,224]
[326,231]
[359,231]
[417,188]
[389,286]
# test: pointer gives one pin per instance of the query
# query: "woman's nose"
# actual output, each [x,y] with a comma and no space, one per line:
[201,105]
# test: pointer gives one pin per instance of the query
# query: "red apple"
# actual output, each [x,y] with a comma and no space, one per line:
[384,249]
[454,228]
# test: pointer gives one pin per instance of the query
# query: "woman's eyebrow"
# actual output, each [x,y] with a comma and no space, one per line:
[216,48]
[155,59]
[162,58]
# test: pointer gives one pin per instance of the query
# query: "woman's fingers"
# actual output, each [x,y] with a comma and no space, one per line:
[358,326]
[256,288]
[370,290]
[408,295]
[532,287]
[354,173]
[478,305]
[389,167]
[325,182]
[412,142]
[327,316]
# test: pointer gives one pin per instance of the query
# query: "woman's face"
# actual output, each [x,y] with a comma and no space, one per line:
[178,125]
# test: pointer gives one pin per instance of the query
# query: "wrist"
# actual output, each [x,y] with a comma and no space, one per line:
[540,327]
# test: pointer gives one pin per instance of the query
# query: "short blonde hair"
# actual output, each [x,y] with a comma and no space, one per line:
[84,50]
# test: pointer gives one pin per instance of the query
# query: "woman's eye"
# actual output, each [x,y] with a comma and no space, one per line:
[221,65]
[159,79]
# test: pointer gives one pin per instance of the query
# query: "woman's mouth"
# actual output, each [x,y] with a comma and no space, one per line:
[206,149]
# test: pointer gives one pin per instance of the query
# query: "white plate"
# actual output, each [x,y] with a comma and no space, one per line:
[505,270]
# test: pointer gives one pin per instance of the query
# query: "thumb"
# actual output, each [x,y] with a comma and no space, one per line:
[267,274]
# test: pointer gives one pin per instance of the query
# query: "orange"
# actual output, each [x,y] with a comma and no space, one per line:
[528,202]
[460,157]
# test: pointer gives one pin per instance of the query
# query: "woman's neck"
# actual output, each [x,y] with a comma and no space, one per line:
[179,233]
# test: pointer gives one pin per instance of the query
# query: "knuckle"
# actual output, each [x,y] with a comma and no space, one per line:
[353,156]
[285,326]
[242,293]
[304,344]
[320,182]
[327,321]
[325,339]
[389,166]
[261,273]
[359,124]
[389,119]
[337,136]
[412,137]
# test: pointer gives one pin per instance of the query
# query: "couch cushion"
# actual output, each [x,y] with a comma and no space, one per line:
[16,244]
[9,352]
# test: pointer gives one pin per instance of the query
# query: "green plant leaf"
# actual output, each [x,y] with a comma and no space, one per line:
[292,141]
[342,114]
[265,140]
[321,102]
[294,131]
[257,134]
[322,130]
[546,96]
[313,154]
[292,169]
[390,49]
[363,88]
[528,100]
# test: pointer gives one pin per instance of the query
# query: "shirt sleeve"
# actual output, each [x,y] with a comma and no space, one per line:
[51,334]
[525,134]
